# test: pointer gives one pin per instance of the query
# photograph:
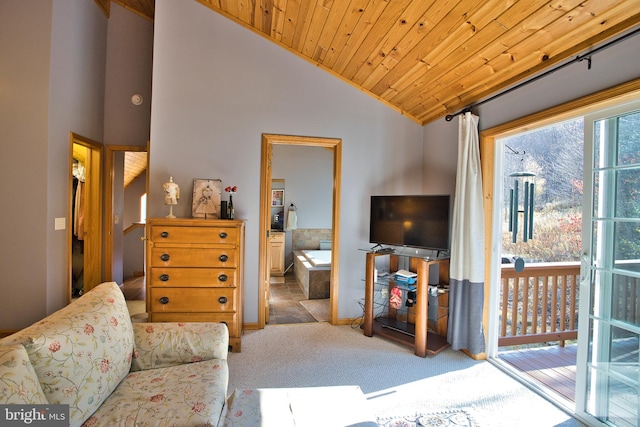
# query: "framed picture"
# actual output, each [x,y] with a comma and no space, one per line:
[277,198]
[206,198]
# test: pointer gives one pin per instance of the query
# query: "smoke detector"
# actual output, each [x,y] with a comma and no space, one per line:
[136,99]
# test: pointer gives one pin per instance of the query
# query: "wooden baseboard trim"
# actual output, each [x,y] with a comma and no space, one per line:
[341,322]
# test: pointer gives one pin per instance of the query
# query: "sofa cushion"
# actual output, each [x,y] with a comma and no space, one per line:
[158,345]
[18,381]
[185,395]
[81,352]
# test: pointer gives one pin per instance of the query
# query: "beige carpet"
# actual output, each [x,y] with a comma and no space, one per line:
[318,308]
[137,310]
[397,382]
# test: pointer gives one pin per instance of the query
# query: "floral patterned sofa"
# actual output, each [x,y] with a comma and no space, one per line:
[113,372]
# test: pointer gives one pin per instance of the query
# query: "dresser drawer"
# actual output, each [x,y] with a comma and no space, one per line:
[198,235]
[193,257]
[192,277]
[195,300]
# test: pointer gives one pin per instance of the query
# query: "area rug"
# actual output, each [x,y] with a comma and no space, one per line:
[318,308]
[457,418]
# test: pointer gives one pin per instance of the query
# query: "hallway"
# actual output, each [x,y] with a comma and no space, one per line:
[287,303]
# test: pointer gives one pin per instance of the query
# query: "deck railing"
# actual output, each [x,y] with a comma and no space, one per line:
[539,304]
[625,298]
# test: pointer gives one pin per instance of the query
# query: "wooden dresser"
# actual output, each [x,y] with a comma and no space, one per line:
[195,272]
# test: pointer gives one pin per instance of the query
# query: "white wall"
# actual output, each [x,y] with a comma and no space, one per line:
[129,63]
[52,83]
[217,87]
[128,72]
[24,102]
[308,175]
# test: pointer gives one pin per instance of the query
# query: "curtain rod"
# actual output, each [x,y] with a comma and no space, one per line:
[579,58]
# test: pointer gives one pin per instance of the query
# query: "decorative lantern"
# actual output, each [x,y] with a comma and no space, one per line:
[526,181]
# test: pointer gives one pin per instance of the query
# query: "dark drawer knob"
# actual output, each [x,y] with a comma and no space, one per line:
[223,235]
[223,258]
[223,277]
[164,277]
[165,257]
[164,300]
[222,300]
[164,234]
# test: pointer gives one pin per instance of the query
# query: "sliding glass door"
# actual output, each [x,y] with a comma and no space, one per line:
[608,381]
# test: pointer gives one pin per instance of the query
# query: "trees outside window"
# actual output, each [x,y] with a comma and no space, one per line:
[555,155]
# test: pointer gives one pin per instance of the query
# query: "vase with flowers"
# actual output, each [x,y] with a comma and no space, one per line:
[231,191]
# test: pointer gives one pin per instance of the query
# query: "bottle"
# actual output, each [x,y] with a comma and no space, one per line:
[231,212]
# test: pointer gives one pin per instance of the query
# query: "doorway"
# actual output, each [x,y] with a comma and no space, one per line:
[541,170]
[125,165]
[492,208]
[85,210]
[268,142]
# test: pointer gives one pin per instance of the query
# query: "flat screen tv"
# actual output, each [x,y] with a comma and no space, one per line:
[420,221]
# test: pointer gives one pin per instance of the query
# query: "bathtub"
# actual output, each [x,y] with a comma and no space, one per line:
[313,271]
[318,257]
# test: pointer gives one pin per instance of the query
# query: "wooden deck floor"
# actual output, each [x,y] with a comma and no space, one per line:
[553,367]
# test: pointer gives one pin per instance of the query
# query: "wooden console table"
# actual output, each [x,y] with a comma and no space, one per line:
[415,334]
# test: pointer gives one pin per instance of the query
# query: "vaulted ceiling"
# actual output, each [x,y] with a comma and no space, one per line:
[428,58]
[135,163]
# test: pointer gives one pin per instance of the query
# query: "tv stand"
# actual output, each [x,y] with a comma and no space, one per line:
[413,329]
[385,251]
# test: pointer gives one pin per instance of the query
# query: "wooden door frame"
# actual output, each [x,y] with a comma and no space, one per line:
[93,205]
[268,141]
[109,192]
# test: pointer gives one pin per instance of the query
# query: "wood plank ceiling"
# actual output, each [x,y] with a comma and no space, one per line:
[135,163]
[429,58]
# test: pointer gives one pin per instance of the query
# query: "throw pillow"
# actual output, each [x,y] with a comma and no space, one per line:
[18,381]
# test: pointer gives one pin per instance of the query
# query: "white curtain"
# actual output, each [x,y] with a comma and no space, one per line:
[466,297]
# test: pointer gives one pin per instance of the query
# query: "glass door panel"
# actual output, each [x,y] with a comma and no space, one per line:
[609,354]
